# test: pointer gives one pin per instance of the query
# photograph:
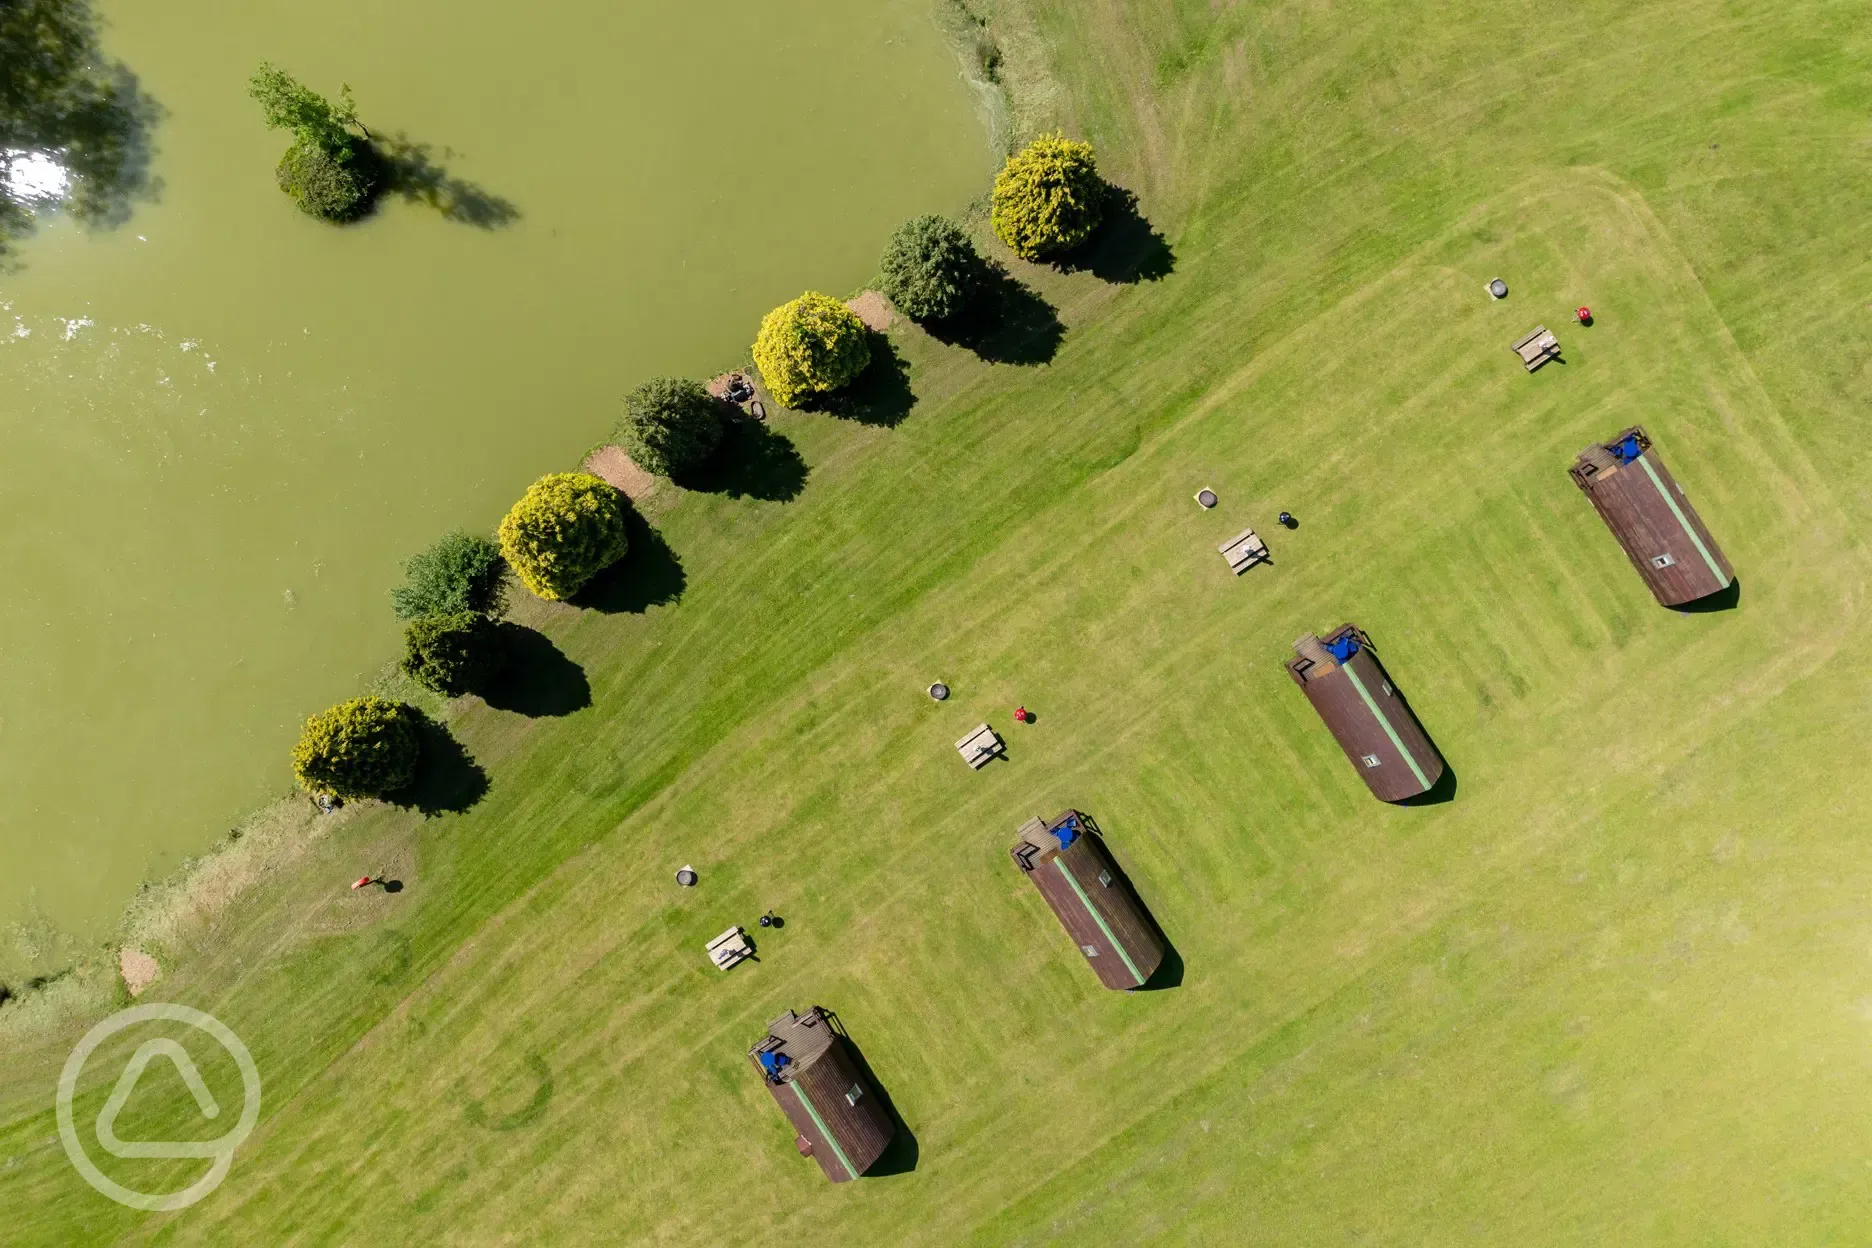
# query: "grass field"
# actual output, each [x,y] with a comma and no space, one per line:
[1619,990]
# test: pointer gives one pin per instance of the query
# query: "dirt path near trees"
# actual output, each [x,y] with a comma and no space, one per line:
[874,310]
[610,464]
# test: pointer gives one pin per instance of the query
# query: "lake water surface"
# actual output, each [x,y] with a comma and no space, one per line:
[224,425]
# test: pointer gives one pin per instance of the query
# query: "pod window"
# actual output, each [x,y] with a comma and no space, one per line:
[1370,760]
[1663,561]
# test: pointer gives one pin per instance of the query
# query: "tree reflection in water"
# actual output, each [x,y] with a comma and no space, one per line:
[74,125]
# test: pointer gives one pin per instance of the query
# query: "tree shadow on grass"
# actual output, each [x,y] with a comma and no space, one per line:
[538,679]
[752,461]
[448,780]
[880,396]
[1006,323]
[412,174]
[900,1155]
[1126,248]
[649,575]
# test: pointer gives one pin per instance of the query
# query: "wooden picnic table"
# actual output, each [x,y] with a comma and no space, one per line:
[980,747]
[730,948]
[1244,550]
[1537,347]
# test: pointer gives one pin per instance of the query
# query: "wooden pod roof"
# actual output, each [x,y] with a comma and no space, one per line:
[1373,724]
[839,1119]
[1652,519]
[1095,903]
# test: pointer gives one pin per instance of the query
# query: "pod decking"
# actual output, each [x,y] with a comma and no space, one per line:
[838,1119]
[1652,518]
[1350,689]
[1089,894]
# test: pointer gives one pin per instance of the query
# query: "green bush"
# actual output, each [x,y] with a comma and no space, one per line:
[1048,198]
[930,269]
[366,747]
[452,654]
[566,528]
[670,425]
[810,346]
[331,171]
[459,573]
[328,186]
[288,104]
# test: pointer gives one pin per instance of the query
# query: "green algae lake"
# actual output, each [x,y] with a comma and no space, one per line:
[224,425]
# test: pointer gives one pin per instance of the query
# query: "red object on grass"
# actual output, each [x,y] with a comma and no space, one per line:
[362,881]
[1584,315]
[1020,714]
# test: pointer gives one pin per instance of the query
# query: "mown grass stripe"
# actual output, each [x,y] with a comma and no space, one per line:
[1100,920]
[1389,731]
[1722,582]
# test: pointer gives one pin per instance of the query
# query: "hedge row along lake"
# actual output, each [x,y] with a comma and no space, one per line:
[224,425]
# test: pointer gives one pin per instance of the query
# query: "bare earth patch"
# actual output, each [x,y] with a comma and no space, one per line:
[138,968]
[718,386]
[874,310]
[755,404]
[611,464]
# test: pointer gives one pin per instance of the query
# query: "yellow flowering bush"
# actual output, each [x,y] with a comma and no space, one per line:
[366,747]
[809,346]
[1048,198]
[566,528]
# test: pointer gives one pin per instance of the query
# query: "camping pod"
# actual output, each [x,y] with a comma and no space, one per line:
[1647,511]
[1073,870]
[838,1118]
[1369,718]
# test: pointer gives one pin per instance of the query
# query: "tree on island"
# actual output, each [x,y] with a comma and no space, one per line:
[452,654]
[670,425]
[331,171]
[567,528]
[367,747]
[1048,198]
[810,346]
[460,572]
[930,269]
